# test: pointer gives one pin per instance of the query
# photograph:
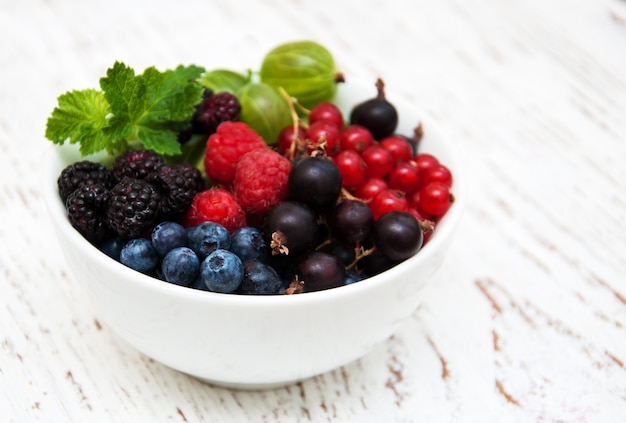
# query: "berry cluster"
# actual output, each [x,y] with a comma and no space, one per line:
[206,257]
[332,203]
[137,192]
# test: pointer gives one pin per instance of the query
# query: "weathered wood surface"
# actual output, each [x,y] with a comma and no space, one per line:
[526,320]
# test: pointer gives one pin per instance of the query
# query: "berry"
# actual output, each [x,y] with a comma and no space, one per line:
[86,209]
[355,137]
[112,247]
[351,166]
[388,200]
[180,266]
[399,148]
[291,229]
[376,114]
[208,237]
[178,185]
[133,208]
[260,181]
[259,279]
[225,147]
[248,243]
[320,270]
[404,177]
[315,181]
[287,138]
[434,199]
[424,162]
[215,205]
[323,130]
[370,188]
[139,254]
[221,271]
[397,235]
[378,160]
[168,235]
[351,221]
[438,173]
[326,111]
[136,164]
[213,110]
[375,263]
[81,173]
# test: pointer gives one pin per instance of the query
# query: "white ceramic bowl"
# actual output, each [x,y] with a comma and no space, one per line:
[258,341]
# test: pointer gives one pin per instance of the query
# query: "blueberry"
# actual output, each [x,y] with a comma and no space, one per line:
[112,247]
[180,266]
[139,254]
[248,243]
[208,237]
[259,278]
[222,271]
[168,235]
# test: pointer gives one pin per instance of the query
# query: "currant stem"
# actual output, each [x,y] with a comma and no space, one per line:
[359,253]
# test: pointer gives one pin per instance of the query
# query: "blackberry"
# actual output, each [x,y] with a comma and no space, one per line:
[84,172]
[133,207]
[213,110]
[86,209]
[137,164]
[178,185]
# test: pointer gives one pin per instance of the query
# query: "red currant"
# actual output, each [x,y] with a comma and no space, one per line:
[379,161]
[438,173]
[425,161]
[328,112]
[351,166]
[324,128]
[433,199]
[388,200]
[287,136]
[355,137]
[399,148]
[370,188]
[405,177]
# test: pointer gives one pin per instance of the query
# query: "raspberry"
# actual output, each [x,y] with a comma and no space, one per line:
[86,209]
[215,109]
[261,180]
[83,173]
[225,147]
[178,184]
[215,205]
[137,164]
[134,207]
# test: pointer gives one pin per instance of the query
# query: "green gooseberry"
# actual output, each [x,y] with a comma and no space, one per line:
[224,80]
[264,109]
[304,69]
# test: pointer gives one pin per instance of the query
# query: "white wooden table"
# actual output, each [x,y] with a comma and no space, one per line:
[526,321]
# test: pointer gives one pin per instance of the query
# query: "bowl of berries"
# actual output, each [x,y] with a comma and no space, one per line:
[242,248]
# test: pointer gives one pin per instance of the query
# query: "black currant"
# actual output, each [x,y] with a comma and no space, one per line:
[315,181]
[291,229]
[351,221]
[397,235]
[376,114]
[320,270]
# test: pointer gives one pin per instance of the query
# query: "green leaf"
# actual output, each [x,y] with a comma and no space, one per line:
[148,109]
[79,118]
[152,107]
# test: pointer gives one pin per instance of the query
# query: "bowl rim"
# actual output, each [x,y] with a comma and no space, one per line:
[444,230]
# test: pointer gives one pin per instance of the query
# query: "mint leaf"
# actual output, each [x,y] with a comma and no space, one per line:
[152,107]
[79,118]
